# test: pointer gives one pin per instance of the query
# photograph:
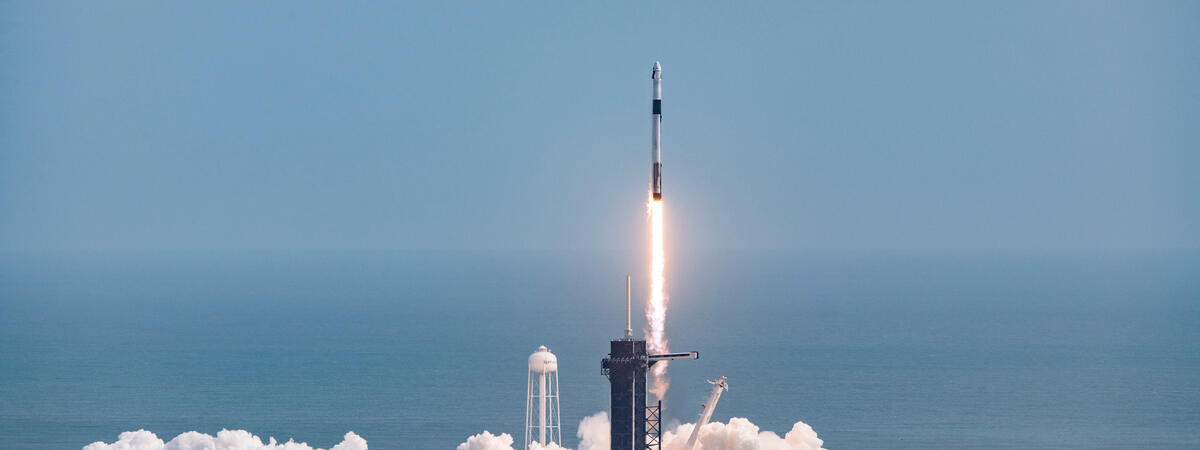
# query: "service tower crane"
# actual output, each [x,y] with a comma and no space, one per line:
[706,413]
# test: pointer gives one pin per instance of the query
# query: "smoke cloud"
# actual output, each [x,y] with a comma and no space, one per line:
[224,440]
[487,441]
[740,433]
[504,441]
[593,432]
[737,434]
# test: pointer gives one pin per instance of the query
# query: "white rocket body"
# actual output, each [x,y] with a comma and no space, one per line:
[656,134]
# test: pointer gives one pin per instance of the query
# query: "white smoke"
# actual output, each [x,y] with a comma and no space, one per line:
[737,434]
[224,440]
[593,432]
[488,441]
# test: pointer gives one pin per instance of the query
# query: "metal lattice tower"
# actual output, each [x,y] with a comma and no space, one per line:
[542,422]
[654,426]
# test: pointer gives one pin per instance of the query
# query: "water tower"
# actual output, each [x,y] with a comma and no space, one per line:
[542,424]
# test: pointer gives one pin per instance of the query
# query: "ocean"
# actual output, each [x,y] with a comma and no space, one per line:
[419,350]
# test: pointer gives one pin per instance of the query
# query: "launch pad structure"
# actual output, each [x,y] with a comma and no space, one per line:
[634,425]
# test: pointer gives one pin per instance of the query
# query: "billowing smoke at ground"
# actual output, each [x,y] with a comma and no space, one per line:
[592,433]
[737,434]
[488,441]
[224,440]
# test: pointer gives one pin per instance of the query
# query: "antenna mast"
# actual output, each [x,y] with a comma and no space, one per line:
[628,307]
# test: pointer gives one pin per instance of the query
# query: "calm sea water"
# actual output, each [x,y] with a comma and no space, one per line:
[420,350]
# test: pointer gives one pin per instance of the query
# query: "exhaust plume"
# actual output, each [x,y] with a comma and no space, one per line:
[656,305]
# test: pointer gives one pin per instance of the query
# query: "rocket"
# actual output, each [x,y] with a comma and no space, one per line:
[656,134]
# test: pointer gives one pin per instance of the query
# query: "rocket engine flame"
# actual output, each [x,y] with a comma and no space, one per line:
[656,306]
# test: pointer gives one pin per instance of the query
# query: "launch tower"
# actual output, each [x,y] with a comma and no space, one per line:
[626,367]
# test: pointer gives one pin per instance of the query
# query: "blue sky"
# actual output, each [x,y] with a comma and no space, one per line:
[524,126]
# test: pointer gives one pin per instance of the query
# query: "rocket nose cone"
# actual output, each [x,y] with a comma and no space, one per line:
[657,66]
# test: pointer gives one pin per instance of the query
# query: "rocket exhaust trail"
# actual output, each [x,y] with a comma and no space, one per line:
[656,307]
